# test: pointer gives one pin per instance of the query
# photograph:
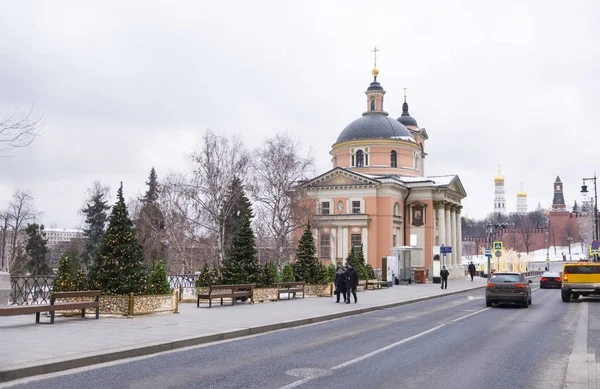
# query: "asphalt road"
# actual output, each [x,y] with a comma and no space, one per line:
[450,342]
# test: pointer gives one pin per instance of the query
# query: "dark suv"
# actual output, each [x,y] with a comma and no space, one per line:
[508,287]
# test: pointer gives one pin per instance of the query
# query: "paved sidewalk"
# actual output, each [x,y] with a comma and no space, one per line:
[29,349]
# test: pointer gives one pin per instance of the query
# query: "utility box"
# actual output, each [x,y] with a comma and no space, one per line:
[420,276]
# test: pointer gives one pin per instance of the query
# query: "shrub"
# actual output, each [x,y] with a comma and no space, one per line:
[206,277]
[323,275]
[81,281]
[64,280]
[370,271]
[270,274]
[331,273]
[287,273]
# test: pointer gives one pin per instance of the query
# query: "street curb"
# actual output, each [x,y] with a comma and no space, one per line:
[53,367]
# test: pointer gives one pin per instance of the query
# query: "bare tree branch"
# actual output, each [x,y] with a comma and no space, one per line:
[18,131]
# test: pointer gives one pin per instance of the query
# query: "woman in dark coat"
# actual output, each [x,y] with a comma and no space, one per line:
[340,283]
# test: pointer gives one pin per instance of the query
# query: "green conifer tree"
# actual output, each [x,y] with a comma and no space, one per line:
[36,250]
[119,269]
[370,271]
[96,216]
[241,265]
[64,278]
[237,205]
[80,280]
[287,273]
[158,281]
[150,222]
[307,265]
[357,259]
[206,277]
[331,269]
[270,274]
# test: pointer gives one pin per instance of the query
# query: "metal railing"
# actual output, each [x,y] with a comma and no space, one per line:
[183,280]
[30,290]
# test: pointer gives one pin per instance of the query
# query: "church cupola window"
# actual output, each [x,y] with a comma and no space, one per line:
[417,161]
[360,158]
[372,104]
[393,159]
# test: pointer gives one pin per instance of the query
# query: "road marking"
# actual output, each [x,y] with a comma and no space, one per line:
[469,315]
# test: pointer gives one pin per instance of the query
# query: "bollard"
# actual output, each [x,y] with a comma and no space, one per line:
[177,297]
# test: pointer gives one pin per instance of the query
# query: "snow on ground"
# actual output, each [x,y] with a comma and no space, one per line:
[540,255]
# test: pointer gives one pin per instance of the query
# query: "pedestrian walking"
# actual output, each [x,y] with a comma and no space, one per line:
[340,283]
[472,270]
[444,274]
[351,282]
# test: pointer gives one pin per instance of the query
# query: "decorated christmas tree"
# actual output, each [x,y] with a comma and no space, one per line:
[80,280]
[64,279]
[241,265]
[269,274]
[370,271]
[307,265]
[119,269]
[206,277]
[357,259]
[287,273]
[158,282]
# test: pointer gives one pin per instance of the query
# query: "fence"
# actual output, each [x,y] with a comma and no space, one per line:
[32,290]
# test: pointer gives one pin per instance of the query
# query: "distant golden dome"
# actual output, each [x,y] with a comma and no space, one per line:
[499,179]
[375,72]
[521,192]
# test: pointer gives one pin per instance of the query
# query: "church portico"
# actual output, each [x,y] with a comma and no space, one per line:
[377,194]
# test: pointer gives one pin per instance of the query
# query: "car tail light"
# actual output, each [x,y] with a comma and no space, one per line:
[543,279]
[520,285]
[565,277]
[491,285]
[557,279]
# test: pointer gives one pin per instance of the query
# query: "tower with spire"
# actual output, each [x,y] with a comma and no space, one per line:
[499,197]
[522,201]
[558,201]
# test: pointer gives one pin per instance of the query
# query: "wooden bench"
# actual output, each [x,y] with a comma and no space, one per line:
[227,291]
[56,306]
[291,287]
[377,284]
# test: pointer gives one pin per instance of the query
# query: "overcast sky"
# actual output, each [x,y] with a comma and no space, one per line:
[127,85]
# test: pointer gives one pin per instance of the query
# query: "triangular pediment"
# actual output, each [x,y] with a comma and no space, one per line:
[340,177]
[457,186]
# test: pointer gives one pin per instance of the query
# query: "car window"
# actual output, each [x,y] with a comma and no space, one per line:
[548,274]
[506,278]
[582,269]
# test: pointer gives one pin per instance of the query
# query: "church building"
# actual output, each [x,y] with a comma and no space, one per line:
[377,193]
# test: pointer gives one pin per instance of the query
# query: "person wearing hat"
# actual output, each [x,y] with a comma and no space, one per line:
[351,282]
[444,274]
[340,282]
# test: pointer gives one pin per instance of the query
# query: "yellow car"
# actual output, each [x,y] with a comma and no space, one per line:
[580,279]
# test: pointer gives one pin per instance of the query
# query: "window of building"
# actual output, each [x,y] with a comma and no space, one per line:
[325,243]
[417,161]
[360,158]
[393,159]
[396,209]
[356,207]
[355,240]
[325,208]
[372,104]
[394,240]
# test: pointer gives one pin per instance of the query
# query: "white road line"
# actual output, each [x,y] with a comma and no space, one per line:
[469,315]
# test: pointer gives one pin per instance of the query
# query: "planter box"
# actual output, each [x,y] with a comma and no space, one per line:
[319,290]
[266,294]
[128,305]
[362,286]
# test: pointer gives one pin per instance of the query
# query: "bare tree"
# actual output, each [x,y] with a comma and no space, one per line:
[526,238]
[213,169]
[20,210]
[4,232]
[19,130]
[278,168]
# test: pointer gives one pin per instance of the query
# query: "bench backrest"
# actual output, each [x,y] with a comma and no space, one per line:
[291,283]
[234,287]
[83,293]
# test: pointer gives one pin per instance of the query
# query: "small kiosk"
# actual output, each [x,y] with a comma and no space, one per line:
[404,260]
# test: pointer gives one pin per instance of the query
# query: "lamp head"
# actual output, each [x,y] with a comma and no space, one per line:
[584,190]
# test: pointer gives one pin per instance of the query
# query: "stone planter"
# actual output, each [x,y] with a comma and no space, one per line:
[114,305]
[319,290]
[266,294]
[154,303]
[127,305]
[362,286]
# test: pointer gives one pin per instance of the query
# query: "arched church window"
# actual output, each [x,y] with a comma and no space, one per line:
[372,104]
[417,162]
[397,209]
[393,159]
[360,158]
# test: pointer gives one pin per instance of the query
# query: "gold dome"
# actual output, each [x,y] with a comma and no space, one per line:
[375,72]
[499,179]
[521,192]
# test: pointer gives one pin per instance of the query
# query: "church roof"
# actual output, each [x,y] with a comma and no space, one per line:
[374,126]
[557,180]
[405,118]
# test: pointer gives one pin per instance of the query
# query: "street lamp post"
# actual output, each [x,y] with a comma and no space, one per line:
[584,192]
[491,228]
[570,240]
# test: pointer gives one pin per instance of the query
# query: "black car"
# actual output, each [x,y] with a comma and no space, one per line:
[550,280]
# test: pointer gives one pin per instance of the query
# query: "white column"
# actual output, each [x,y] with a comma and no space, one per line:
[340,251]
[365,242]
[455,260]
[441,225]
[459,233]
[344,243]
[448,241]
[332,241]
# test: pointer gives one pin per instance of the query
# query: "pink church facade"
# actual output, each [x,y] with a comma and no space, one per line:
[377,194]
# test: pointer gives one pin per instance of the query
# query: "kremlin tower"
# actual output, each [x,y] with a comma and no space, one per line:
[499,199]
[521,201]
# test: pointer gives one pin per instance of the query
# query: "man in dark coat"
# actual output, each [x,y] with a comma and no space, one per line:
[351,283]
[340,283]
[444,274]
[472,270]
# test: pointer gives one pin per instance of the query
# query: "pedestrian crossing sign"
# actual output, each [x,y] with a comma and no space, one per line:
[497,246]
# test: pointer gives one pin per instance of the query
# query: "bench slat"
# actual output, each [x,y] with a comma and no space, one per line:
[75,305]
[83,293]
[24,309]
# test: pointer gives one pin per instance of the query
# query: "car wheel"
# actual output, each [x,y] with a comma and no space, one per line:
[541,286]
[529,302]
[488,303]
[565,295]
[526,304]
[575,296]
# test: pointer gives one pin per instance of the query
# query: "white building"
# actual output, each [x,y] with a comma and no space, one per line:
[56,236]
[499,197]
[522,201]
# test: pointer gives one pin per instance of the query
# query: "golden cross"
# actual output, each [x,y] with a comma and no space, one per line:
[374,51]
